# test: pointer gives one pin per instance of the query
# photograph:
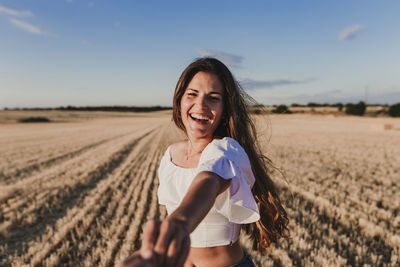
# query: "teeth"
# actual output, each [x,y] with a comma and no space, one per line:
[199,117]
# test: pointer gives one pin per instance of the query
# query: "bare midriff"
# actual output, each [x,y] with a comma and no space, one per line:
[215,256]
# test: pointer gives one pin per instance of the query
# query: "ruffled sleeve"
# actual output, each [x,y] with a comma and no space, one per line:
[227,159]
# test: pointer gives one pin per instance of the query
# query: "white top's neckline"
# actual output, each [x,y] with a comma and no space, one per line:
[175,165]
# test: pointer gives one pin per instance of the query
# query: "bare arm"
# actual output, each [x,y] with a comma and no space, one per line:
[170,240]
[199,199]
[197,202]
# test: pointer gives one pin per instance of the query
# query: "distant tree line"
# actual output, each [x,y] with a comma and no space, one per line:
[282,109]
[313,104]
[101,108]
[394,110]
[358,109]
[34,119]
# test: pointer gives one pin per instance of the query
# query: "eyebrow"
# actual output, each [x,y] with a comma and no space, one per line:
[212,92]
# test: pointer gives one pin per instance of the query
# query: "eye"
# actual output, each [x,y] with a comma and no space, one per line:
[214,98]
[190,93]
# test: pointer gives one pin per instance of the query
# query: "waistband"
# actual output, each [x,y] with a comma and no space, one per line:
[245,262]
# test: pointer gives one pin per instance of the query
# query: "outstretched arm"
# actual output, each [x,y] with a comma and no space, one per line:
[197,202]
[170,240]
[199,199]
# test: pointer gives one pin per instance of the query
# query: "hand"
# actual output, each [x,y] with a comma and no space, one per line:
[145,257]
[173,243]
[163,244]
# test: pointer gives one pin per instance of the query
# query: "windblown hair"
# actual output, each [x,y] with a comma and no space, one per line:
[237,124]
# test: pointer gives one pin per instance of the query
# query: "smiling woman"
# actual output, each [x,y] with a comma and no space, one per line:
[216,181]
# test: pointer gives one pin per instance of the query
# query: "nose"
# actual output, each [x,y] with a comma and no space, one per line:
[202,102]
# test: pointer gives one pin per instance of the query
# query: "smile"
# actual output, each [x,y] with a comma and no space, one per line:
[199,118]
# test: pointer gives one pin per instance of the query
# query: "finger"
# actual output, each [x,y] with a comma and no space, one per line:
[136,261]
[130,260]
[183,254]
[150,234]
[173,251]
[148,254]
[163,241]
[164,237]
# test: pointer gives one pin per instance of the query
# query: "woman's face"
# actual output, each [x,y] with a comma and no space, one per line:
[202,105]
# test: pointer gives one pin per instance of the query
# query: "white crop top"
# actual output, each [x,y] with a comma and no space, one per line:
[234,206]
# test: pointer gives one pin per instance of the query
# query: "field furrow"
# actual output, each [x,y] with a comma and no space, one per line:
[147,201]
[41,163]
[82,216]
[115,220]
[25,152]
[73,183]
[145,210]
[82,164]
[333,230]
[60,199]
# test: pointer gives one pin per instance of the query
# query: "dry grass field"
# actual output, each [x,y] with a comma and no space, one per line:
[77,192]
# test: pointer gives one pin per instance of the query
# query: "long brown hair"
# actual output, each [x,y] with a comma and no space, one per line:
[237,124]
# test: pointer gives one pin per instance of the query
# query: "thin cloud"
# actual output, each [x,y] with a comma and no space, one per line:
[87,42]
[350,32]
[231,60]
[249,84]
[321,96]
[91,4]
[15,12]
[27,27]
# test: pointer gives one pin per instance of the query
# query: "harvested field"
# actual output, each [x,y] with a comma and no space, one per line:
[77,193]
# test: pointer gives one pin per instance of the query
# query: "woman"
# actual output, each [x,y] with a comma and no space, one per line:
[217,180]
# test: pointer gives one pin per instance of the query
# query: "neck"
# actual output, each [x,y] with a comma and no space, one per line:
[196,146]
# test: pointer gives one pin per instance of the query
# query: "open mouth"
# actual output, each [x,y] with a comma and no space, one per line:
[199,118]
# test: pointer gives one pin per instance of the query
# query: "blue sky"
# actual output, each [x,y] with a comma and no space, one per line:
[76,52]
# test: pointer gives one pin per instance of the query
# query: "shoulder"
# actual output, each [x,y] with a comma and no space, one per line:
[227,158]
[229,143]
[179,145]
[227,148]
[169,156]
[178,148]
